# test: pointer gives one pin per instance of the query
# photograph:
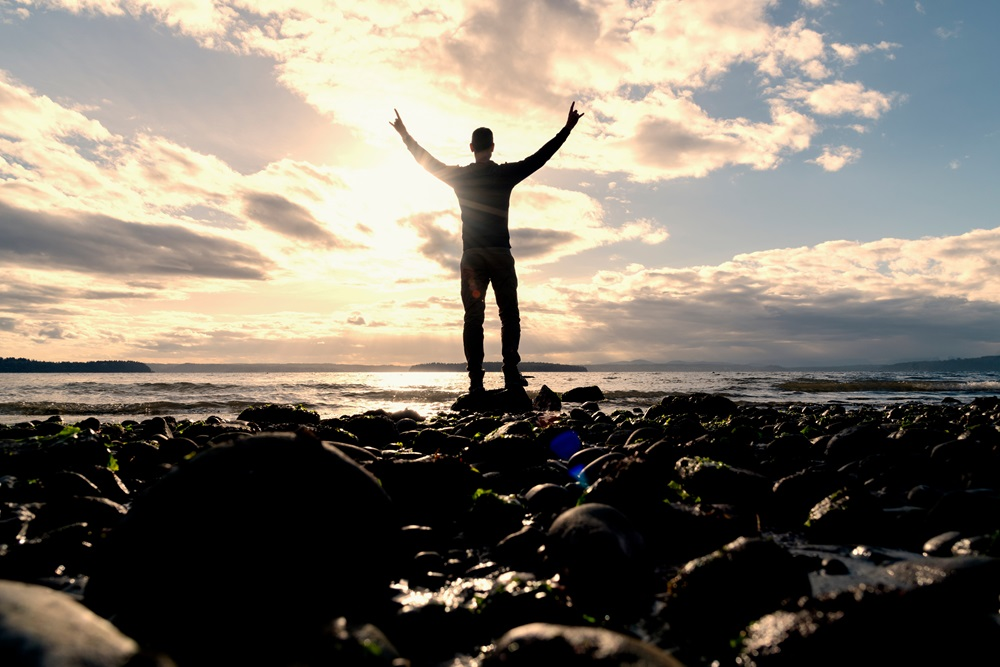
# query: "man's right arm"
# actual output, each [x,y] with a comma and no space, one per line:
[423,158]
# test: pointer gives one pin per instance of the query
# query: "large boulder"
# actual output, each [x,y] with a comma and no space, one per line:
[514,400]
[268,537]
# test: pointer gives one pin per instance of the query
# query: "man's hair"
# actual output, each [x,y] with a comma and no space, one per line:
[482,138]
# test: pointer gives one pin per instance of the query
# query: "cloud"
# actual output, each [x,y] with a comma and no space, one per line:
[842,98]
[949,33]
[439,243]
[888,300]
[103,245]
[288,219]
[635,65]
[850,53]
[54,333]
[835,158]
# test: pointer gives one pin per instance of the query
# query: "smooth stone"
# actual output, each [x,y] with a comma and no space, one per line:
[268,537]
[41,627]
[583,394]
[601,559]
[569,646]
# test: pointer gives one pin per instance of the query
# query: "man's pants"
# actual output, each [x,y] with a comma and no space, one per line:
[480,267]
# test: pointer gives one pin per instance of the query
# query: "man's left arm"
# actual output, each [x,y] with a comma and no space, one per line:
[534,162]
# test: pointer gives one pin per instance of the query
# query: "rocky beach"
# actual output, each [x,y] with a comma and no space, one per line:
[512,530]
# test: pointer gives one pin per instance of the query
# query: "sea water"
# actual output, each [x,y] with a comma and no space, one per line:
[117,397]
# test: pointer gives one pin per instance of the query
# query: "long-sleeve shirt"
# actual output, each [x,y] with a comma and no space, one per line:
[483,190]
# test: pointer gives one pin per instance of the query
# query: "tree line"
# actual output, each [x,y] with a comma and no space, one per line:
[21,365]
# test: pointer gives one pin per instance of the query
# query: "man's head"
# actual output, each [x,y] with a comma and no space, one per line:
[482,140]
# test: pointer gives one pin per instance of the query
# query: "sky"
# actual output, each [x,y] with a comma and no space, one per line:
[787,182]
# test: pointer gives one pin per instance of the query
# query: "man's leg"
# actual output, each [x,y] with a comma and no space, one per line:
[474,282]
[504,280]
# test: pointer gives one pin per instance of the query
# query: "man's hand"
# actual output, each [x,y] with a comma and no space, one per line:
[571,120]
[398,126]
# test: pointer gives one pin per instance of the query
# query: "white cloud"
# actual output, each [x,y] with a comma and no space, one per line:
[835,158]
[887,300]
[841,98]
[636,65]
[949,33]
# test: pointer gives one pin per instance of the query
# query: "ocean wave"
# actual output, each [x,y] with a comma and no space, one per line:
[814,386]
[151,408]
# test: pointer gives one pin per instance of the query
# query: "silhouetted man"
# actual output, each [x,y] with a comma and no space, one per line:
[483,190]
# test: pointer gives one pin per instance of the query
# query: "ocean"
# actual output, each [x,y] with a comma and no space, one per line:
[112,397]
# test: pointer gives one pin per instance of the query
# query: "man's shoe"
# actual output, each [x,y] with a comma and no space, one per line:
[514,381]
[476,381]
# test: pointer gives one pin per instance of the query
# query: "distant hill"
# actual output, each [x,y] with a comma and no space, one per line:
[976,364]
[495,366]
[274,368]
[640,365]
[19,365]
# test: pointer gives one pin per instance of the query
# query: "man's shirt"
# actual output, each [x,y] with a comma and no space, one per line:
[483,190]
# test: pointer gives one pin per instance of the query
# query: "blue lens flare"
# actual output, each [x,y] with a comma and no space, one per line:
[565,444]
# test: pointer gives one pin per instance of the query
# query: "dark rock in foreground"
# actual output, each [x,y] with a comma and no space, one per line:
[271,537]
[718,533]
[40,626]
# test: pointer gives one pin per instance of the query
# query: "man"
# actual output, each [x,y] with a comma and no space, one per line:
[483,189]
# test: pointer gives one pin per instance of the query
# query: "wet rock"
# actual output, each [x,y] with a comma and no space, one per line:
[593,470]
[209,430]
[941,613]
[65,484]
[40,627]
[514,400]
[156,426]
[602,561]
[550,644]
[549,498]
[971,511]
[546,400]
[175,450]
[717,482]
[433,491]
[279,414]
[713,597]
[372,430]
[855,442]
[583,394]
[940,545]
[287,505]
[519,550]
[713,405]
[845,516]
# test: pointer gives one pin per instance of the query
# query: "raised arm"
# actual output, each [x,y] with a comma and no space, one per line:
[531,164]
[423,158]
[399,127]
[571,120]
